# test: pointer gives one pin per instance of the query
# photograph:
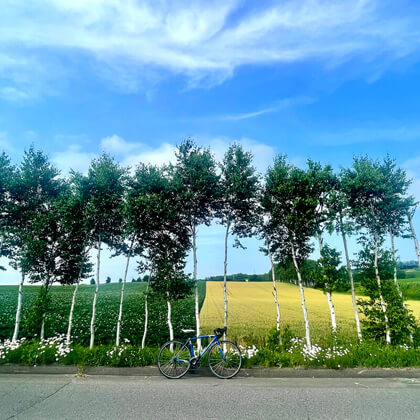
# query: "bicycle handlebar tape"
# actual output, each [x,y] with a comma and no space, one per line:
[220,331]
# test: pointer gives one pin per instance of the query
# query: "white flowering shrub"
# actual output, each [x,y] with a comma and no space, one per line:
[7,345]
[248,351]
[56,346]
[316,353]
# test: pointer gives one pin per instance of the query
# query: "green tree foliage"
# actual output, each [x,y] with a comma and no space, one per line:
[239,201]
[376,195]
[401,322]
[239,192]
[197,184]
[155,215]
[290,200]
[105,185]
[329,275]
[7,173]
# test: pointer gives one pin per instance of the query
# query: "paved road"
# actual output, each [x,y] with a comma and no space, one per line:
[111,397]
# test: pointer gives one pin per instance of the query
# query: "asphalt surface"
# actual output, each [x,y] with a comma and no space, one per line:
[33,396]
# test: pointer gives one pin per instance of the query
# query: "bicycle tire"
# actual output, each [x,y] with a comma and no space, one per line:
[174,359]
[228,367]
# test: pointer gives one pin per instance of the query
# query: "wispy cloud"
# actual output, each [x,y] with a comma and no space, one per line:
[281,104]
[204,40]
[368,135]
[5,145]
[12,94]
[132,153]
[72,158]
[412,166]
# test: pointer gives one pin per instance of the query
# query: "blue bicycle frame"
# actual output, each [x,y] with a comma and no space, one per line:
[191,348]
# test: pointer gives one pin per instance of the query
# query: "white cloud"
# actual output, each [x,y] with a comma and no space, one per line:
[263,154]
[163,154]
[205,40]
[133,153]
[281,104]
[118,146]
[367,135]
[12,94]
[72,158]
[4,142]
[412,167]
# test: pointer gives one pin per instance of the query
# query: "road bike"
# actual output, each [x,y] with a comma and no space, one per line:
[176,358]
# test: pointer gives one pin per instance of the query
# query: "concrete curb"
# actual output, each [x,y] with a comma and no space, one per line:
[252,372]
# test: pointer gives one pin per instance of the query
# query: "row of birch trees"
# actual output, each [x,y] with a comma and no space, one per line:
[50,226]
[369,200]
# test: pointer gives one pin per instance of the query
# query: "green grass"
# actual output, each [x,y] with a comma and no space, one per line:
[107,312]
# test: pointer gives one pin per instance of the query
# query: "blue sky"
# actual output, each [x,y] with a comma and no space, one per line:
[308,78]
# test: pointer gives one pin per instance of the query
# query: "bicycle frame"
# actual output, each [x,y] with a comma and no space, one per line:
[191,349]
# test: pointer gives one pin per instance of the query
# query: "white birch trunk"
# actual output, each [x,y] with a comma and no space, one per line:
[73,301]
[171,330]
[95,297]
[197,306]
[394,258]
[47,286]
[18,310]
[117,340]
[353,294]
[332,312]
[146,315]
[328,294]
[413,234]
[383,306]
[225,280]
[302,298]
[273,276]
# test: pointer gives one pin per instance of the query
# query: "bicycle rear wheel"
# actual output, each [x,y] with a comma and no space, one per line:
[225,360]
[174,359]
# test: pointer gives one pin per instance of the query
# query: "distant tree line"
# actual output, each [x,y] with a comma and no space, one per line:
[50,225]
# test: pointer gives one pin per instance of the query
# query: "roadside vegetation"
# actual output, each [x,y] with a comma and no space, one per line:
[51,226]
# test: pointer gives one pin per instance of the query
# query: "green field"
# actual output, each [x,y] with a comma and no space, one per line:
[106,313]
[252,311]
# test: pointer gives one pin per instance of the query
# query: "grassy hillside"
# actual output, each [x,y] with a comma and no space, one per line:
[107,312]
[410,286]
[252,311]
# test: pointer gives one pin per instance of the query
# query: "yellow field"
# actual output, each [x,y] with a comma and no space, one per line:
[252,311]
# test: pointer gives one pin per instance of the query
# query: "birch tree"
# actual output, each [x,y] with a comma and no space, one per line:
[399,323]
[167,241]
[239,202]
[410,215]
[266,231]
[197,182]
[79,229]
[328,276]
[106,183]
[341,222]
[156,217]
[366,189]
[323,183]
[142,200]
[32,212]
[288,196]
[397,205]
[7,180]
[7,172]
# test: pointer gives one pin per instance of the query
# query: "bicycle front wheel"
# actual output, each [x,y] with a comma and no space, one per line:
[225,360]
[174,359]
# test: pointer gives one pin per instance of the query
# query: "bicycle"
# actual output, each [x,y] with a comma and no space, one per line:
[176,358]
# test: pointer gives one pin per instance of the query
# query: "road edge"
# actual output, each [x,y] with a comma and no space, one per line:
[250,372]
